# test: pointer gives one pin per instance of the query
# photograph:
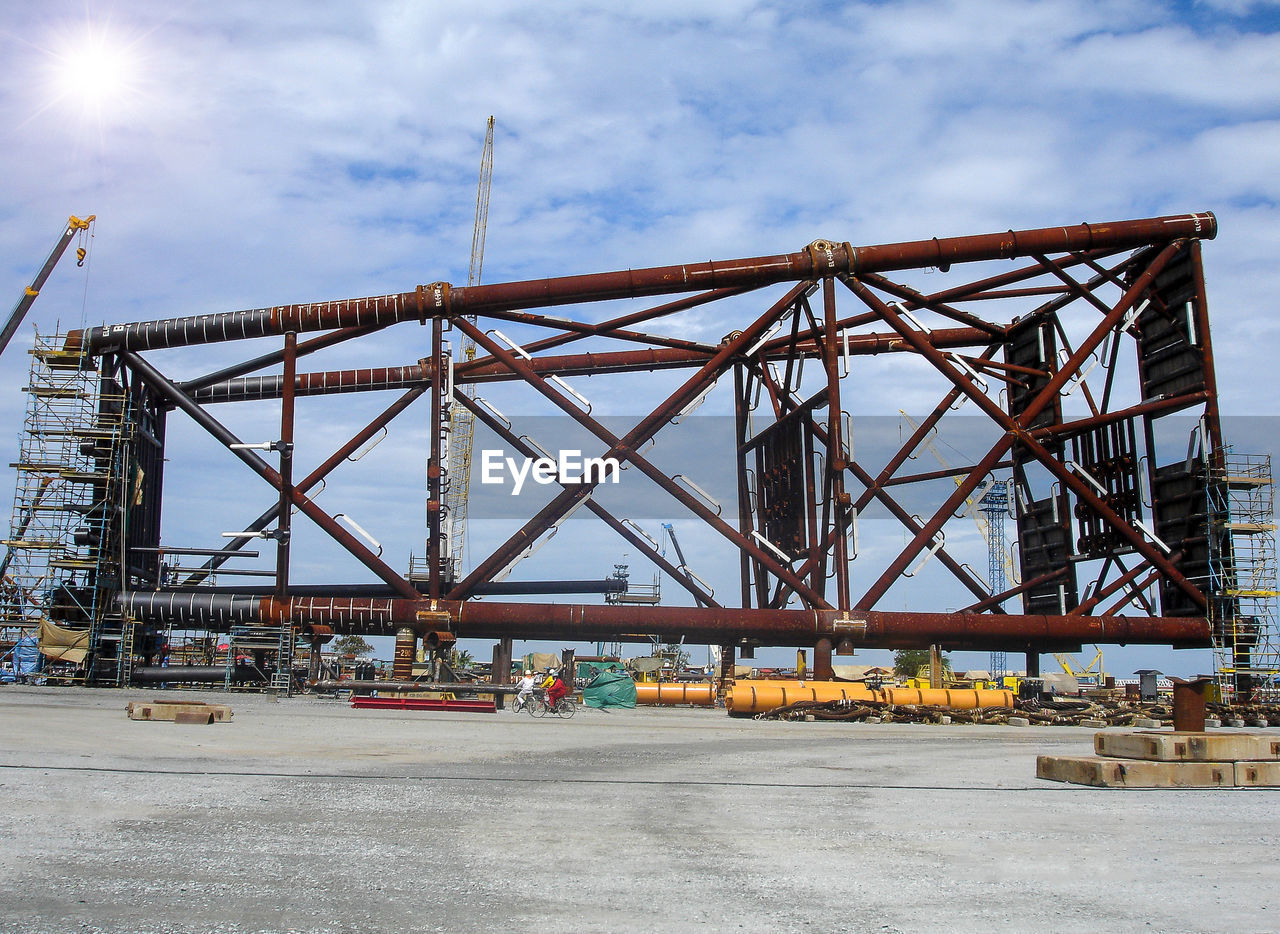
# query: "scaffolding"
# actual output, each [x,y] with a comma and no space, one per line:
[265,645]
[61,562]
[994,505]
[1242,568]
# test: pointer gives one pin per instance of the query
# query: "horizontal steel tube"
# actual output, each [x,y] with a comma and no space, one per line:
[486,370]
[748,697]
[195,674]
[709,625]
[493,588]
[822,259]
[671,694]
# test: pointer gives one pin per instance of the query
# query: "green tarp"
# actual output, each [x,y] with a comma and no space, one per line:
[610,689]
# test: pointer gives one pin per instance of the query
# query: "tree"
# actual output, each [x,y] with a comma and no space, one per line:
[352,645]
[460,659]
[907,662]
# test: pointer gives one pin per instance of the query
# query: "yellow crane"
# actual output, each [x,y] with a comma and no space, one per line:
[461,419]
[1090,675]
[75,225]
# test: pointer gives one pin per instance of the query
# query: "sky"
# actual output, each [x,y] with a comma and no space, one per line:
[244,154]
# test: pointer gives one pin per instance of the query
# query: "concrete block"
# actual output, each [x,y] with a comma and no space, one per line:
[1094,724]
[1019,721]
[944,719]
[1135,773]
[1258,722]
[1146,723]
[1187,747]
[1237,724]
[169,710]
[1258,774]
[1210,723]
[873,720]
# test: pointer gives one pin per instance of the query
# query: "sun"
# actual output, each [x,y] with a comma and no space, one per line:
[98,69]
[93,72]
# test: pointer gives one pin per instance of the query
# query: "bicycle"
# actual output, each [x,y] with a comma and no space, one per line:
[565,707]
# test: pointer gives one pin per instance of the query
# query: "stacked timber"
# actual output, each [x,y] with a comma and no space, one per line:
[1170,760]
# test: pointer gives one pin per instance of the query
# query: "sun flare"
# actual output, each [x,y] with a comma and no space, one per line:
[94,72]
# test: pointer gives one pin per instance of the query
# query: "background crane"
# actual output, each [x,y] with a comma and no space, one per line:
[988,507]
[74,226]
[461,420]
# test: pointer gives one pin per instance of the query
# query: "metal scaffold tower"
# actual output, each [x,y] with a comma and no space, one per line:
[61,561]
[994,505]
[1242,567]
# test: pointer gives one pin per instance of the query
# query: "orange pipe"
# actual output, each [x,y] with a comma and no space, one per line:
[967,699]
[760,696]
[699,695]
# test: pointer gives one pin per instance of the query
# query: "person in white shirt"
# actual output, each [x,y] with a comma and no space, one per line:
[526,685]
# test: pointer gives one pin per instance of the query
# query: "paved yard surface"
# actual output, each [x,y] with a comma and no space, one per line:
[305,815]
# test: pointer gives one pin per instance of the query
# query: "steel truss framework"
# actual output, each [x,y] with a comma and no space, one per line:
[1093,302]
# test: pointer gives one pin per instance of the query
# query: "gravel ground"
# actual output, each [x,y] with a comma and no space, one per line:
[305,815]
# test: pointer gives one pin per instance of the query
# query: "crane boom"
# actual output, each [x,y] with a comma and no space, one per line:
[74,226]
[462,421]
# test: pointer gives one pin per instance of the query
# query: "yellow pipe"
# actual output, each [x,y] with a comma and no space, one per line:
[700,695]
[760,696]
[942,697]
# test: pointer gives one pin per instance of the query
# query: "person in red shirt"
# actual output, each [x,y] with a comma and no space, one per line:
[556,692]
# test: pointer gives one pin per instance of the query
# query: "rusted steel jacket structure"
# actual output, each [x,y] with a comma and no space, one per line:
[1115,312]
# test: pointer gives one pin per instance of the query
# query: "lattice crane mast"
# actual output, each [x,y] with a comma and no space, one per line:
[988,507]
[461,420]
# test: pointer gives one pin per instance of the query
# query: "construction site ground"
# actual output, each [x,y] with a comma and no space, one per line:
[302,814]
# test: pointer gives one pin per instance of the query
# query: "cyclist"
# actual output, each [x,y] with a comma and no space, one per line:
[556,692]
[526,685]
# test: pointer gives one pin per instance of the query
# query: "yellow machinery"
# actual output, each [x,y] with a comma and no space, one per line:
[1087,676]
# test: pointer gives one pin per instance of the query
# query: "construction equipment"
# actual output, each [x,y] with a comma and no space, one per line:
[683,566]
[1091,675]
[74,226]
[461,420]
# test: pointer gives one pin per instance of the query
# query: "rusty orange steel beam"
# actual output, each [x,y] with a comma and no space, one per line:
[487,370]
[821,258]
[712,625]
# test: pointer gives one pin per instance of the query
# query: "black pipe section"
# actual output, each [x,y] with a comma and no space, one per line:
[196,674]
[497,588]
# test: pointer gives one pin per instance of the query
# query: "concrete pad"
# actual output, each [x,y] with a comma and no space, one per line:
[1019,721]
[1094,724]
[303,814]
[1135,773]
[1187,747]
[1258,774]
[1146,723]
